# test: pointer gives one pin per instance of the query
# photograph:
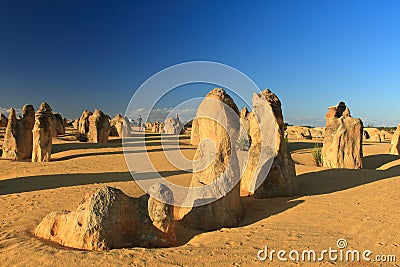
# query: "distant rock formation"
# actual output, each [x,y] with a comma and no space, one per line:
[340,110]
[18,139]
[3,120]
[172,126]
[42,131]
[342,147]
[120,126]
[75,124]
[194,133]
[215,165]
[299,132]
[395,143]
[57,125]
[257,179]
[10,138]
[83,125]
[99,127]
[109,219]
[317,132]
[157,127]
[374,135]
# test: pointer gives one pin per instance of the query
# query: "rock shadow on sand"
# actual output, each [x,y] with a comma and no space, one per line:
[334,180]
[44,182]
[376,161]
[94,154]
[295,146]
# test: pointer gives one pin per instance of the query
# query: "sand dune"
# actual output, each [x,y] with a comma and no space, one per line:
[358,205]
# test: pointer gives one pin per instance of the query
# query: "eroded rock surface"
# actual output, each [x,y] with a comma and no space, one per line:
[42,134]
[110,219]
[342,147]
[258,179]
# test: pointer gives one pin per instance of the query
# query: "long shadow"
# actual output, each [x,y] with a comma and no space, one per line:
[111,144]
[315,183]
[44,182]
[117,153]
[83,145]
[166,137]
[294,146]
[254,211]
[376,161]
[258,209]
[334,180]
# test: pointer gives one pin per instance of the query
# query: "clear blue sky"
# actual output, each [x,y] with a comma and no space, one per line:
[94,54]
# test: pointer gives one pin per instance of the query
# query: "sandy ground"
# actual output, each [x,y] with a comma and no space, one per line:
[360,206]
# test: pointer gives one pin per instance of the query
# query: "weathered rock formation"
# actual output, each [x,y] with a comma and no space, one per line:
[18,139]
[83,125]
[244,113]
[10,138]
[386,135]
[99,127]
[395,143]
[374,135]
[58,127]
[157,127]
[109,219]
[172,126]
[120,126]
[194,133]
[317,132]
[280,180]
[298,132]
[42,131]
[342,147]
[216,167]
[160,212]
[75,124]
[340,110]
[3,120]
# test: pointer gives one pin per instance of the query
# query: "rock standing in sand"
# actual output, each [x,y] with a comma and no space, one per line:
[3,120]
[83,125]
[216,166]
[18,139]
[75,124]
[194,133]
[99,127]
[157,127]
[42,130]
[57,125]
[109,219]
[395,143]
[342,147]
[172,126]
[280,180]
[10,138]
[120,126]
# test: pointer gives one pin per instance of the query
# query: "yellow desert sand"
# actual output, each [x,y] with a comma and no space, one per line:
[359,206]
